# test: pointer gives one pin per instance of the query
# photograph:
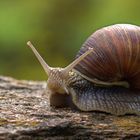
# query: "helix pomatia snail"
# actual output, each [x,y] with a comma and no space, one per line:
[105,76]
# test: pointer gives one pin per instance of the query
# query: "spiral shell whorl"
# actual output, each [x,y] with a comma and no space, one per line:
[116,55]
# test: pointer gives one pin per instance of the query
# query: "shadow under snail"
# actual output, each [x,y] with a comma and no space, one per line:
[105,76]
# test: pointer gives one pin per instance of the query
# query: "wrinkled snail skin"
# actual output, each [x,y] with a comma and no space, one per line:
[115,100]
[105,76]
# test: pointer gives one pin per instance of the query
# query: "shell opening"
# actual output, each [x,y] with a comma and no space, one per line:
[101,83]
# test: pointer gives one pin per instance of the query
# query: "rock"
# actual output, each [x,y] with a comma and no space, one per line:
[26,114]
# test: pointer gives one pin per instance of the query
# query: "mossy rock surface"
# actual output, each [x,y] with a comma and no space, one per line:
[25,114]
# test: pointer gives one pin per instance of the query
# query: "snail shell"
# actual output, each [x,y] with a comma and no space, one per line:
[115,56]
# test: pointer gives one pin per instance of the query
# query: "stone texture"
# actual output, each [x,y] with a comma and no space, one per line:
[25,114]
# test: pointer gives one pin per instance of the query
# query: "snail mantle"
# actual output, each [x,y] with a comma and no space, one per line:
[26,114]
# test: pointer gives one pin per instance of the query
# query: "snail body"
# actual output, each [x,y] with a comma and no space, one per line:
[105,76]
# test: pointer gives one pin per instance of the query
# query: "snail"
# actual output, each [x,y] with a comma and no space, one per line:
[105,75]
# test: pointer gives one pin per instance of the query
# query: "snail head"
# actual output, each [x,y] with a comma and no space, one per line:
[57,77]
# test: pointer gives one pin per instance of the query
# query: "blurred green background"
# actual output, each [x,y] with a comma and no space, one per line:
[57,28]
